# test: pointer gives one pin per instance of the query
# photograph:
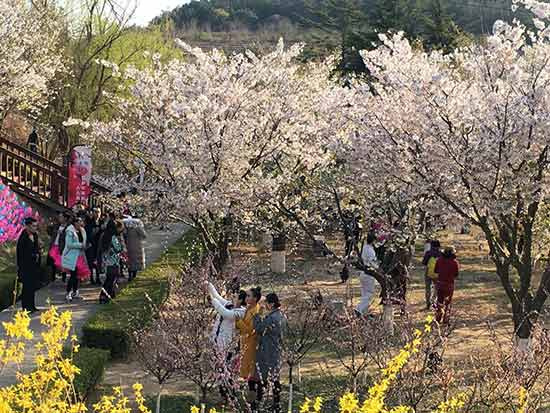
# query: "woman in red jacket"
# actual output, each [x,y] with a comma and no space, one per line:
[446,268]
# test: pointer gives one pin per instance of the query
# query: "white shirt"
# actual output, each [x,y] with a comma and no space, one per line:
[224,331]
[368,255]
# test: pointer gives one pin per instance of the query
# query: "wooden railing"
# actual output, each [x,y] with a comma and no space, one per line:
[37,177]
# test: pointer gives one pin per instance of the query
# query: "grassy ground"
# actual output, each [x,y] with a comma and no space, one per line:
[480,307]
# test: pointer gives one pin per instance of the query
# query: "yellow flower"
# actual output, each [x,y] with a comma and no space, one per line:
[318,404]
[523,399]
[19,327]
[348,403]
[452,405]
[305,406]
[195,409]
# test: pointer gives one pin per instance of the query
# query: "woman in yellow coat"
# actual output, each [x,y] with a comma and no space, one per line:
[249,344]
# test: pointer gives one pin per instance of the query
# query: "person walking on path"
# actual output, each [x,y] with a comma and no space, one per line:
[249,345]
[28,263]
[447,269]
[93,233]
[224,333]
[368,256]
[430,276]
[73,258]
[399,278]
[58,243]
[135,235]
[112,247]
[268,358]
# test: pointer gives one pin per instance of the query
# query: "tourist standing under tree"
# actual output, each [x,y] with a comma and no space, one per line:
[430,276]
[224,333]
[249,345]
[73,258]
[446,268]
[111,249]
[268,358]
[58,243]
[93,233]
[368,256]
[28,263]
[33,142]
[135,235]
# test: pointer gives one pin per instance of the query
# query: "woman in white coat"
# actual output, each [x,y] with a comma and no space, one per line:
[224,333]
[368,256]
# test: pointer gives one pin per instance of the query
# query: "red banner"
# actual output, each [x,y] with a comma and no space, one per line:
[80,175]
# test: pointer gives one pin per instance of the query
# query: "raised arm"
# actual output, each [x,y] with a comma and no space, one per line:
[216,296]
[230,314]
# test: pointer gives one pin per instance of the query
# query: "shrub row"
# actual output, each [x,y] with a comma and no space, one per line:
[109,328]
[92,363]
[7,284]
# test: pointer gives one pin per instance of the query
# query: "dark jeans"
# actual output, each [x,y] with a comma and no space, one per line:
[259,387]
[73,282]
[27,296]
[109,284]
[131,275]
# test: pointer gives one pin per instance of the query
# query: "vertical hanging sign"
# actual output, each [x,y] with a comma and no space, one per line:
[80,175]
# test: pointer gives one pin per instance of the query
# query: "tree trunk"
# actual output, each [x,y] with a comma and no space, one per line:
[290,388]
[278,254]
[157,410]
[387,318]
[204,394]
[221,255]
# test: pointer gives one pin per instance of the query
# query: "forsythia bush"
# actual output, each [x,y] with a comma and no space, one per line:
[375,403]
[50,387]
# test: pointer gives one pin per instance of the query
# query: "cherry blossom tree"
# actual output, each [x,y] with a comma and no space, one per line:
[219,134]
[177,343]
[471,127]
[29,54]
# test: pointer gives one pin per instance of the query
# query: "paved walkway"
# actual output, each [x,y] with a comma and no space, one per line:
[54,294]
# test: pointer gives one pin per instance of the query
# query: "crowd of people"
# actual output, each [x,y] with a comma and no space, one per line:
[441,271]
[84,245]
[87,244]
[258,324]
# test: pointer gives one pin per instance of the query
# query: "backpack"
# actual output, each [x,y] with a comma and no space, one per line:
[430,268]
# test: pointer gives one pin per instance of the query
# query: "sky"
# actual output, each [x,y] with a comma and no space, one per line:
[148,9]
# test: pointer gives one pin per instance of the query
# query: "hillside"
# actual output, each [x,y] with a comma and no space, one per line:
[324,25]
[472,16]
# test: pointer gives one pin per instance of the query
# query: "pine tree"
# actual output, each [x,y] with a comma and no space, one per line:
[440,31]
[349,20]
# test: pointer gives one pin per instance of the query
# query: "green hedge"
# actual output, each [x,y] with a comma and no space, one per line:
[7,284]
[91,362]
[110,327]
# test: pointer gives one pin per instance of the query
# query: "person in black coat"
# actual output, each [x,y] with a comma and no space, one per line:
[93,234]
[33,141]
[28,263]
